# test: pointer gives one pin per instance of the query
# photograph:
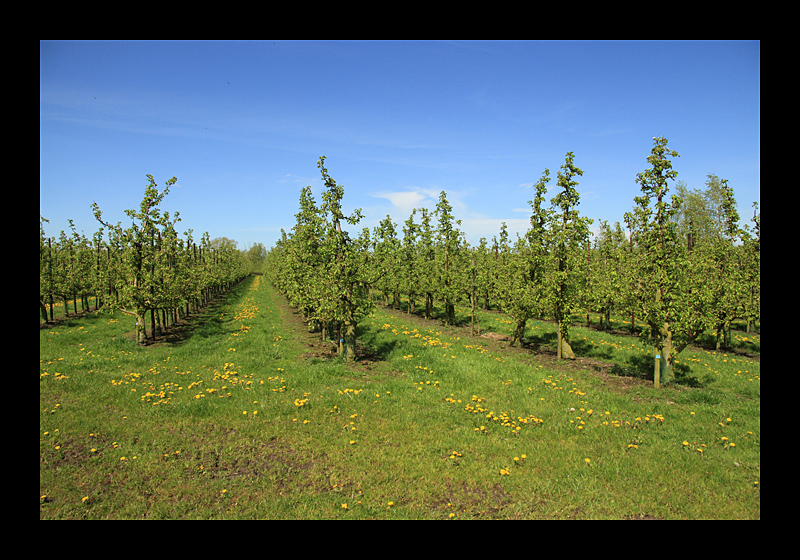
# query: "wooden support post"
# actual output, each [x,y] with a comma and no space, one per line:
[657,378]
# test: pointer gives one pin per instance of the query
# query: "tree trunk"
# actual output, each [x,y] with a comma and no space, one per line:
[153,324]
[450,311]
[141,333]
[667,356]
[349,340]
[519,331]
[564,349]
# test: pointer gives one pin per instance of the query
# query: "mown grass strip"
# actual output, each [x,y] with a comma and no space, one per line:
[243,419]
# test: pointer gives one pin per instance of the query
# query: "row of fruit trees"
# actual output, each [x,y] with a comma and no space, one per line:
[144,268]
[685,267]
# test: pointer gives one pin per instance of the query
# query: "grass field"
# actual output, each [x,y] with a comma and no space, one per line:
[243,414]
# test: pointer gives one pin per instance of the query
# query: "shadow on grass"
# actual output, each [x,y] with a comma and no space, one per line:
[643,367]
[206,322]
[81,319]
[632,366]
[586,350]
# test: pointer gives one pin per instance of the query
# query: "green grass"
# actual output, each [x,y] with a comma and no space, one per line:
[440,424]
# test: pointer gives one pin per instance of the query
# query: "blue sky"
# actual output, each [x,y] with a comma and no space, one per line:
[242,125]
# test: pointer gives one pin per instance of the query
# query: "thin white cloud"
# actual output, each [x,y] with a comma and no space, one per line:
[406,201]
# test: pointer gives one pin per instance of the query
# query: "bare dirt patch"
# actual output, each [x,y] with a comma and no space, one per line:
[465,496]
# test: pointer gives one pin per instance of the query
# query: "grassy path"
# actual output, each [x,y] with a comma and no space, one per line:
[248,417]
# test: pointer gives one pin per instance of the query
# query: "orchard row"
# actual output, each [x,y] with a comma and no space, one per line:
[145,268]
[685,266]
